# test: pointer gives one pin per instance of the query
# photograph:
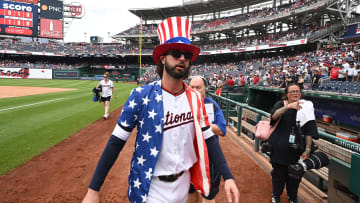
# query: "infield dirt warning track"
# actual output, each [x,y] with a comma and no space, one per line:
[18,91]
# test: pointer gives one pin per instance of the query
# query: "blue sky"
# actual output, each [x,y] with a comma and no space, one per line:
[104,16]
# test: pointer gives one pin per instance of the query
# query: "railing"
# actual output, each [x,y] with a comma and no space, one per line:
[354,147]
[344,155]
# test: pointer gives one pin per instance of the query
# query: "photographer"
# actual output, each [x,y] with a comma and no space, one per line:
[290,140]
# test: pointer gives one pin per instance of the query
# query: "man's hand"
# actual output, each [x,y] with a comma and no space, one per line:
[231,188]
[91,196]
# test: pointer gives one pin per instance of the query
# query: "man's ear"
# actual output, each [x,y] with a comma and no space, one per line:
[162,59]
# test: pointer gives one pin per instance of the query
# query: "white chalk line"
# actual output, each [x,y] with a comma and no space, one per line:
[26,105]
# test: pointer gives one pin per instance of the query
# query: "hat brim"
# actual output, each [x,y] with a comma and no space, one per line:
[163,48]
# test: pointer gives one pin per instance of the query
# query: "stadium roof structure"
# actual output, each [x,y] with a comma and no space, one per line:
[193,9]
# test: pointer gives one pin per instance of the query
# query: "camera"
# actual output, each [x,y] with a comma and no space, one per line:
[266,148]
[316,160]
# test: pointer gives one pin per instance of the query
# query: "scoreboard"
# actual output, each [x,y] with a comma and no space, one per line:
[36,18]
[18,18]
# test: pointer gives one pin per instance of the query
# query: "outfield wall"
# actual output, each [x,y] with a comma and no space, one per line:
[25,73]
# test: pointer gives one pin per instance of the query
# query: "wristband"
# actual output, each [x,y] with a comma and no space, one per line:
[307,150]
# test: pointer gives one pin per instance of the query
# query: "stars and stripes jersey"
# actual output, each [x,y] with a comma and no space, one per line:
[147,109]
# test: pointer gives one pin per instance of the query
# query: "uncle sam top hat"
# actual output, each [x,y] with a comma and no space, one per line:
[174,34]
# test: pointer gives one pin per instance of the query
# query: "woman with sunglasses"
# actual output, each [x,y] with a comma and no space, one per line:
[287,142]
[107,88]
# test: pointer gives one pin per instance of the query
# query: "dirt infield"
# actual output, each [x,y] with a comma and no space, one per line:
[17,91]
[62,173]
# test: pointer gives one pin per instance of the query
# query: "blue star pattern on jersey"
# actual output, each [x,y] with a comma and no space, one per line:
[144,109]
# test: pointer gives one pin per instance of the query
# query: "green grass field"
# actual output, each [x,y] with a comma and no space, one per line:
[29,125]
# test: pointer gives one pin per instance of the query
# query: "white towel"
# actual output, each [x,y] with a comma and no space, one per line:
[306,113]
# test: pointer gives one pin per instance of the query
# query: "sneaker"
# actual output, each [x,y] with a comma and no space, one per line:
[106,116]
[275,199]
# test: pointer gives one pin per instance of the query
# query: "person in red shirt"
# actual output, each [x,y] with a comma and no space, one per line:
[256,79]
[334,73]
[242,79]
[230,82]
[219,89]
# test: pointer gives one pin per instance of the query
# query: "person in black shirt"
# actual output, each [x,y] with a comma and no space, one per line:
[316,78]
[295,115]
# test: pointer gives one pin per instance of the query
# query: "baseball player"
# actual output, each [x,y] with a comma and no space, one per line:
[218,126]
[107,87]
[173,131]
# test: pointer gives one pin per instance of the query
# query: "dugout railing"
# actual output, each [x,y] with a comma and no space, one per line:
[339,182]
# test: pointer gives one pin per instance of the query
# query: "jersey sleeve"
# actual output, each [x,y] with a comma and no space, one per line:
[129,116]
[219,118]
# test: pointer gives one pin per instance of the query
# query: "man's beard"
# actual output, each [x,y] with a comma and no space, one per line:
[177,73]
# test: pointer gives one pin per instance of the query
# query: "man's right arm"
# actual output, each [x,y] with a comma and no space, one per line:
[107,159]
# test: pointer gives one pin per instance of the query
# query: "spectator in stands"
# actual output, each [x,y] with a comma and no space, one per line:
[242,79]
[256,79]
[342,76]
[230,82]
[307,79]
[219,88]
[300,81]
[358,73]
[107,88]
[291,79]
[334,72]
[316,78]
[351,71]
[324,70]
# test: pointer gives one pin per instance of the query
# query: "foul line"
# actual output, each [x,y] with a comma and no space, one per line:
[26,105]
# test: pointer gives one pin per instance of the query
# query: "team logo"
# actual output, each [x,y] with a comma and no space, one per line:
[44,7]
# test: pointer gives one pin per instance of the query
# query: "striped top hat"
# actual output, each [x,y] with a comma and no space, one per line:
[174,34]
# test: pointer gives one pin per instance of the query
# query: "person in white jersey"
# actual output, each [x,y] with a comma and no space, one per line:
[173,130]
[107,88]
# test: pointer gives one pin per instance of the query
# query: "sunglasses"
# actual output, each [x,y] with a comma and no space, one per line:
[177,54]
[295,92]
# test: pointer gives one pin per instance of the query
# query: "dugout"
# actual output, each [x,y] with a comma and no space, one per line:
[340,181]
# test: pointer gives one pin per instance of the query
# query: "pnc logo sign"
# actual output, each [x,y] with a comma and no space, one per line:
[50,8]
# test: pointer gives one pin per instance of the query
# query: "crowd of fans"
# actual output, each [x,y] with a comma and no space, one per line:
[334,70]
[113,49]
[38,65]
[251,17]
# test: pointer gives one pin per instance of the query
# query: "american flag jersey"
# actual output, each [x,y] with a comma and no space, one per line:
[144,109]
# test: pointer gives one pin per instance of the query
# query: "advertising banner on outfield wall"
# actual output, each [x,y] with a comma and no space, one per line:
[24,73]
[66,74]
